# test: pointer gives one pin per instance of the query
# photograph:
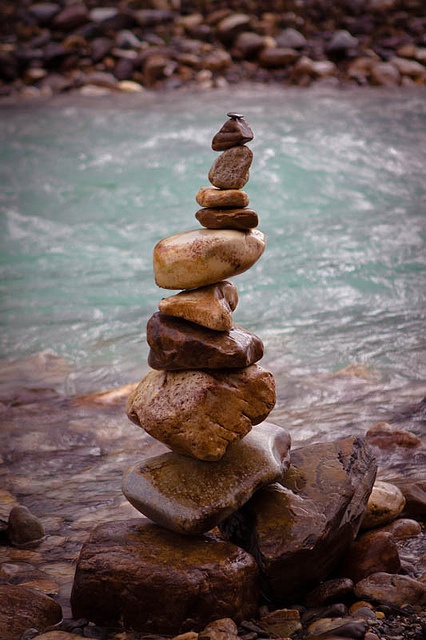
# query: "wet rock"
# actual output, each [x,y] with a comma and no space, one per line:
[210,306]
[201,257]
[403,528]
[231,26]
[385,74]
[199,413]
[337,628]
[144,577]
[392,590]
[291,38]
[71,17]
[189,496]
[177,345]
[385,436]
[235,131]
[24,529]
[43,12]
[22,608]
[231,169]
[340,42]
[299,529]
[213,218]
[248,44]
[281,623]
[384,505]
[275,57]
[55,635]
[214,197]
[223,629]
[372,553]
[334,590]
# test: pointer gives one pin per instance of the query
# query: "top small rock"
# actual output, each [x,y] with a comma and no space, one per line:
[234,132]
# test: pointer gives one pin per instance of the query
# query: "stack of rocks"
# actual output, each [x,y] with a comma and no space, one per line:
[228,509]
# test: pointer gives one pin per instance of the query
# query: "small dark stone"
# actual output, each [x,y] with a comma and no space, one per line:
[234,132]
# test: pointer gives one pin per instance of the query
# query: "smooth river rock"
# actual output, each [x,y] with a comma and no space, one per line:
[205,256]
[392,589]
[142,577]
[200,413]
[384,505]
[214,197]
[210,306]
[231,169]
[235,131]
[300,528]
[176,344]
[192,496]
[22,608]
[214,218]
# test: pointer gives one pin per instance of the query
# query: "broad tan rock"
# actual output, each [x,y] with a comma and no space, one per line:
[301,527]
[214,197]
[142,577]
[203,256]
[213,218]
[384,505]
[192,496]
[391,589]
[199,413]
[210,306]
[234,132]
[231,169]
[177,345]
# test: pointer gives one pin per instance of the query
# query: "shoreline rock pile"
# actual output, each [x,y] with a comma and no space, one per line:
[51,47]
[234,517]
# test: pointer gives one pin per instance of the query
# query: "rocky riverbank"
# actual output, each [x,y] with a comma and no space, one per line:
[95,48]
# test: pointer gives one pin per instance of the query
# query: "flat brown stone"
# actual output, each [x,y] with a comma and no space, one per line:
[234,132]
[213,218]
[210,306]
[140,576]
[177,344]
[231,169]
[205,256]
[200,413]
[300,528]
[192,496]
[22,608]
[392,589]
[214,197]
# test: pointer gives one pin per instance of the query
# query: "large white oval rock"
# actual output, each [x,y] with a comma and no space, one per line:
[204,256]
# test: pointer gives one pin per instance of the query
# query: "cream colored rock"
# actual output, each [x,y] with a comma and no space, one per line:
[201,257]
[384,505]
[198,413]
[213,197]
[210,306]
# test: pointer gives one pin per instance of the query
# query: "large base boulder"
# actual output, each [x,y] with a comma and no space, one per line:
[300,528]
[143,577]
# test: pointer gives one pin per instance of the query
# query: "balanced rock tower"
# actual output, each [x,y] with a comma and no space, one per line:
[228,508]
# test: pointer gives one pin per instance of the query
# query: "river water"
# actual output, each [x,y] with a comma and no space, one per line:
[338,298]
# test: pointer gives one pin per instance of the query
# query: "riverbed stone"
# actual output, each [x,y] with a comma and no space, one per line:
[204,256]
[22,608]
[210,306]
[214,218]
[234,132]
[140,576]
[299,528]
[384,505]
[200,413]
[392,589]
[176,344]
[372,552]
[231,169]
[25,530]
[191,496]
[214,197]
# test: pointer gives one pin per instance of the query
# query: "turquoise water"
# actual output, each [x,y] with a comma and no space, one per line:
[338,181]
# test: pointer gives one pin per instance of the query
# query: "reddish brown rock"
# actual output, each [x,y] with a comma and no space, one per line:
[392,589]
[385,436]
[177,345]
[372,552]
[299,529]
[214,197]
[22,608]
[210,306]
[140,576]
[199,413]
[234,132]
[191,496]
[277,56]
[24,529]
[335,590]
[213,218]
[231,169]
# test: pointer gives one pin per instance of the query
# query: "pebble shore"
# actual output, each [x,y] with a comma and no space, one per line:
[96,48]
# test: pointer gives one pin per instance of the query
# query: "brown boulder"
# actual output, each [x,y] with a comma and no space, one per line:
[231,169]
[191,496]
[213,218]
[22,608]
[199,413]
[391,589]
[299,529]
[146,578]
[177,344]
[372,552]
